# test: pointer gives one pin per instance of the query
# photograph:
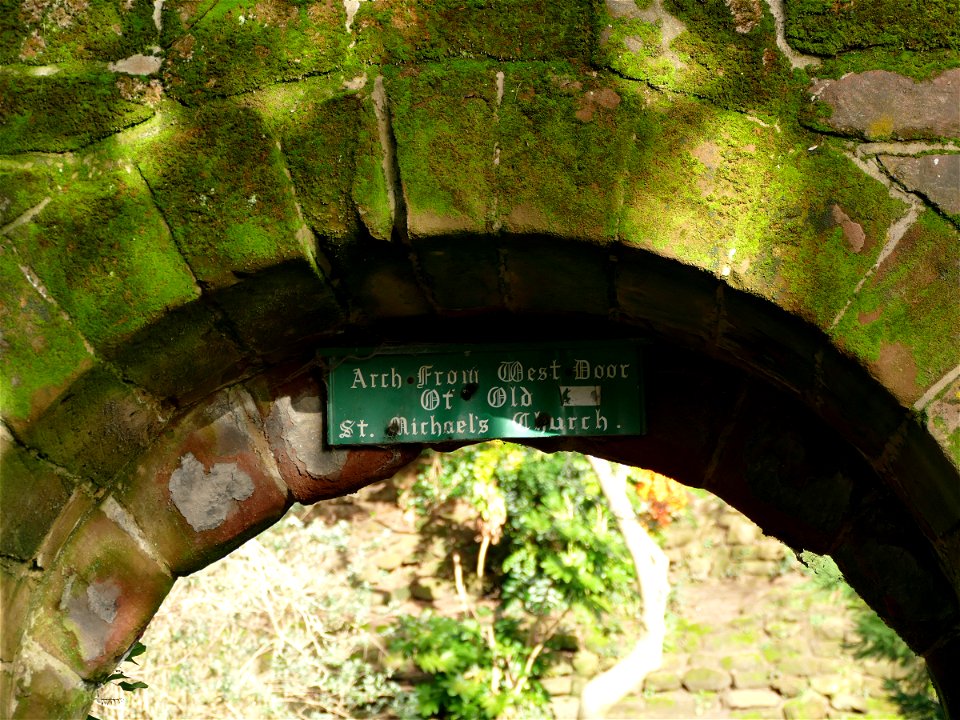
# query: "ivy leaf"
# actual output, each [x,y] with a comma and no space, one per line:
[131,686]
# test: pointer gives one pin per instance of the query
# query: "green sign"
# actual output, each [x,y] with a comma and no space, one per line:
[434,394]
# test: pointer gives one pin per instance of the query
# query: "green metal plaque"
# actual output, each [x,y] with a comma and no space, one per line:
[425,395]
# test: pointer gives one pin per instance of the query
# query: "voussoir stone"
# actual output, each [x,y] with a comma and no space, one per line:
[935,176]
[879,104]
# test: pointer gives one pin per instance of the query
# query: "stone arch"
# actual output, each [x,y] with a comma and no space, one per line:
[183,228]
[771,431]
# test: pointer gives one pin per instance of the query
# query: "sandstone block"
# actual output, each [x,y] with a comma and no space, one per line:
[748,699]
[102,592]
[806,707]
[701,678]
[207,485]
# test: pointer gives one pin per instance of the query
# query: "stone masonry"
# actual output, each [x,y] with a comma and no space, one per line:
[196,197]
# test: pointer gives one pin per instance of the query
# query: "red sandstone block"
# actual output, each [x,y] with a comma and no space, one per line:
[99,596]
[293,413]
[44,690]
[207,484]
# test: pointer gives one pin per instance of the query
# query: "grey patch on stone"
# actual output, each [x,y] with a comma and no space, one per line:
[623,8]
[102,597]
[205,499]
[670,28]
[351,7]
[157,14]
[936,177]
[44,70]
[92,613]
[137,65]
[300,425]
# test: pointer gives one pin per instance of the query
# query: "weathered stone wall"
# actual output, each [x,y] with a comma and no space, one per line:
[194,196]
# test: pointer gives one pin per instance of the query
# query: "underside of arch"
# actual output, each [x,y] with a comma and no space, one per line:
[207,450]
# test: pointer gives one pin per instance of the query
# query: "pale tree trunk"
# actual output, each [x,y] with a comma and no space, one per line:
[651,565]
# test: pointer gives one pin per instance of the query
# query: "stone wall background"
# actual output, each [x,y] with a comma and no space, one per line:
[750,636]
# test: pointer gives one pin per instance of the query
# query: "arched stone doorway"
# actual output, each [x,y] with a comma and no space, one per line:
[771,432]
[196,197]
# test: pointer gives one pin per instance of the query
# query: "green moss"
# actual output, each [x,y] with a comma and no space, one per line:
[154,357]
[96,428]
[443,118]
[221,183]
[369,192]
[634,48]
[814,263]
[32,496]
[53,32]
[103,251]
[913,301]
[565,138]
[742,71]
[272,309]
[826,27]
[24,183]
[240,46]
[708,185]
[42,353]
[64,111]
[407,31]
[917,65]
[316,123]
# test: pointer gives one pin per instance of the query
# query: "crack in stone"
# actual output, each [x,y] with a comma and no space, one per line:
[391,169]
[25,217]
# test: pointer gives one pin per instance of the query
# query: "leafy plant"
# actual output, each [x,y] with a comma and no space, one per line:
[554,552]
[913,693]
[120,678]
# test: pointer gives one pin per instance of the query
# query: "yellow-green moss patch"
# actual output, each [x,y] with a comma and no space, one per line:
[906,319]
[63,111]
[103,251]
[41,352]
[240,46]
[221,183]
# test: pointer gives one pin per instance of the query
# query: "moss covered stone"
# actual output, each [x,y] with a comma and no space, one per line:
[443,118]
[824,27]
[730,59]
[316,124]
[279,307]
[154,356]
[52,32]
[100,595]
[65,110]
[102,249]
[239,46]
[406,31]
[222,186]
[97,428]
[33,495]
[906,320]
[767,207]
[42,352]
[565,137]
